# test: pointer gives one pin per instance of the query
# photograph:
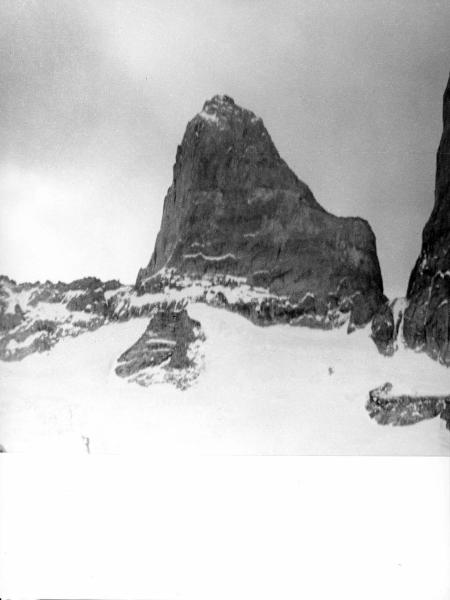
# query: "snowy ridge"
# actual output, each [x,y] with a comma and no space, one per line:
[49,314]
[56,311]
[254,302]
[34,317]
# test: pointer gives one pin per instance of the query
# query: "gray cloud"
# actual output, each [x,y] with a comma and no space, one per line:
[96,95]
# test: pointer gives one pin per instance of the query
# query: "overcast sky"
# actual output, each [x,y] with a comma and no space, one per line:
[95,96]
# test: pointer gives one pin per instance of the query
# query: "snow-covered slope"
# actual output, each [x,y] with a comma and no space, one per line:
[36,316]
[263,390]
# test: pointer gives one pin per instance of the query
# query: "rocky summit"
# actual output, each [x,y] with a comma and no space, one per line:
[236,210]
[427,317]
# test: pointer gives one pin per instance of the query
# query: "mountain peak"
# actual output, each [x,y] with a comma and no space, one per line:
[236,209]
[219,100]
[221,109]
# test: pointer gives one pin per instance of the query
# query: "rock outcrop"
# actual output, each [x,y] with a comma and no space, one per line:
[427,318]
[168,351]
[393,409]
[387,326]
[236,209]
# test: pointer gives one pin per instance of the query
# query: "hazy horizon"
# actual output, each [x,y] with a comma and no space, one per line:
[96,97]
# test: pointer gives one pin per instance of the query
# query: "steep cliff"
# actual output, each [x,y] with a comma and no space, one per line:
[235,208]
[427,320]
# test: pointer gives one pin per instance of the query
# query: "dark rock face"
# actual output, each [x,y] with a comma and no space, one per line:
[165,343]
[383,330]
[92,299]
[390,409]
[235,207]
[10,320]
[10,315]
[427,318]
[386,326]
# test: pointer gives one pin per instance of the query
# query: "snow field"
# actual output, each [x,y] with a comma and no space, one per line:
[263,390]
